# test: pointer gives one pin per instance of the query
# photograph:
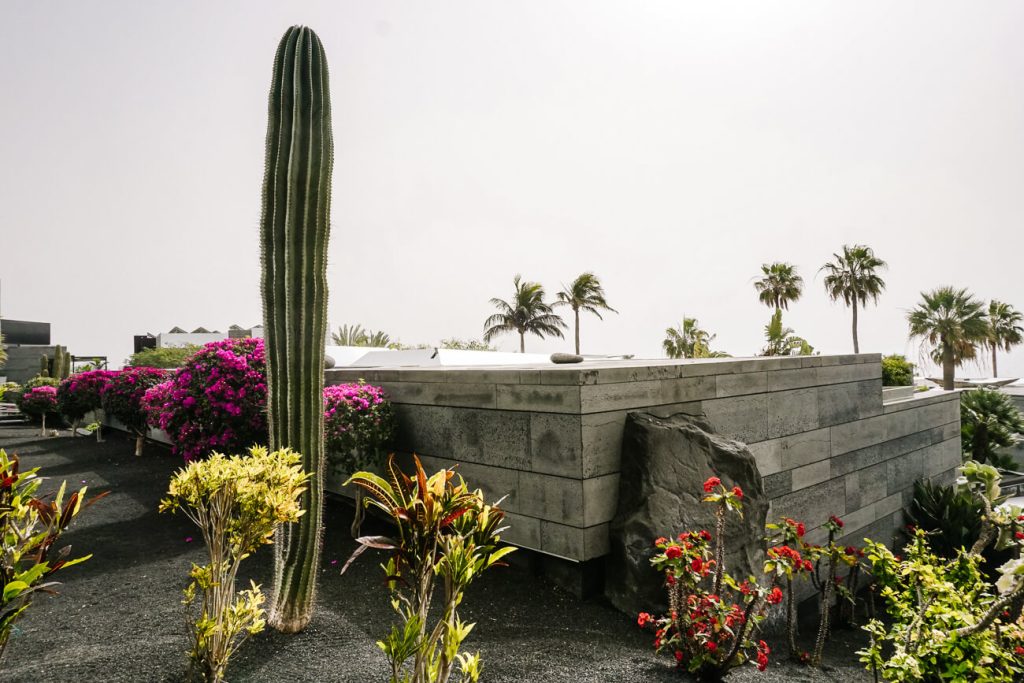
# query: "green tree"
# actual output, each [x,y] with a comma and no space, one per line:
[525,313]
[347,335]
[584,294]
[465,345]
[166,357]
[852,276]
[952,322]
[355,335]
[1004,329]
[688,340]
[781,341]
[989,419]
[780,285]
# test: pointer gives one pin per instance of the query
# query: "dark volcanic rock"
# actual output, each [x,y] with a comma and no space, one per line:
[665,462]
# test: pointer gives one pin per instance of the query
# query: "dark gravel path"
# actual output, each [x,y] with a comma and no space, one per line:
[118,617]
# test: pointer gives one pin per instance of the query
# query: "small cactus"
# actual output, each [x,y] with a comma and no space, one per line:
[44,366]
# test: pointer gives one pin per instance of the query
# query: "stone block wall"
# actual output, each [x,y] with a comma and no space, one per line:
[550,436]
[23,362]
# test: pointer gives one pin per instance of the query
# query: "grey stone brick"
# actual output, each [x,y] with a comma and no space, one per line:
[808,475]
[796,378]
[744,418]
[539,398]
[904,470]
[741,384]
[813,505]
[600,497]
[550,498]
[556,445]
[792,412]
[778,484]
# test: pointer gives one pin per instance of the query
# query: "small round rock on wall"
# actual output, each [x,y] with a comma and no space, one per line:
[563,358]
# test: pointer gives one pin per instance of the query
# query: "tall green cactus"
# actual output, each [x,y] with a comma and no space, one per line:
[44,366]
[61,363]
[294,229]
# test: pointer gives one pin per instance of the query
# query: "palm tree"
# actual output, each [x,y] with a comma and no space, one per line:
[689,341]
[355,335]
[781,341]
[953,323]
[527,312]
[852,278]
[1004,330]
[584,294]
[779,286]
[347,335]
[989,420]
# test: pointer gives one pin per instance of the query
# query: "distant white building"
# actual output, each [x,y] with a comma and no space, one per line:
[177,337]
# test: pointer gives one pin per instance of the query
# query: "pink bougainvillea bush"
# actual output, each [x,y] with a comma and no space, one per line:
[81,393]
[359,424]
[122,398]
[216,401]
[38,401]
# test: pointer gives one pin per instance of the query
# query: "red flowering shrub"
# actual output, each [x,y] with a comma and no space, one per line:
[81,393]
[792,557]
[712,619]
[216,401]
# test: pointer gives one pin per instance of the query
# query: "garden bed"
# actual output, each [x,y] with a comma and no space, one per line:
[119,617]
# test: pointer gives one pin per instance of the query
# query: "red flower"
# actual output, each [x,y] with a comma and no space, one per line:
[808,566]
[1018,650]
[697,565]
[738,492]
[705,534]
[661,540]
[679,656]
[644,619]
[775,597]
[1018,535]
[711,483]
[835,520]
[673,552]
[711,646]
[800,529]
[670,579]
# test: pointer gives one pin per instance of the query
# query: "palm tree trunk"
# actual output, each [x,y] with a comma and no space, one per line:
[577,332]
[948,368]
[856,344]
[522,342]
[995,372]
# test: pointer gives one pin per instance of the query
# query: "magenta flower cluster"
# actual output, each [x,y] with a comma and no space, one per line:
[124,393]
[359,424]
[38,401]
[216,401]
[81,392]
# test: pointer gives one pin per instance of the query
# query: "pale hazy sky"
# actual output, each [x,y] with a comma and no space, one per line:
[671,147]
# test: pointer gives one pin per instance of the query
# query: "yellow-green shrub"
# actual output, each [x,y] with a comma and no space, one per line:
[237,502]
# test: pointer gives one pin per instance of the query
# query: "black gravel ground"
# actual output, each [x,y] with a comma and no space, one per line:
[119,618]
